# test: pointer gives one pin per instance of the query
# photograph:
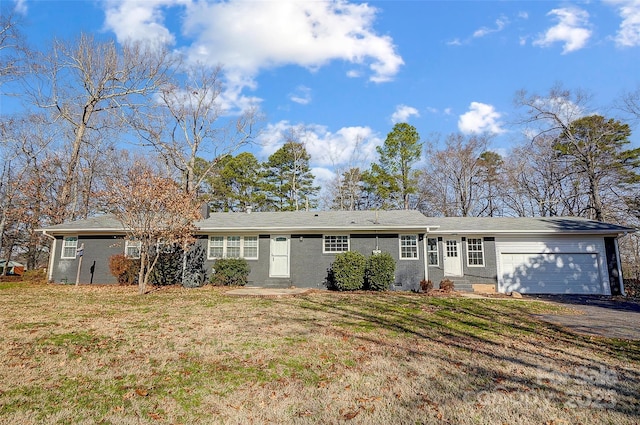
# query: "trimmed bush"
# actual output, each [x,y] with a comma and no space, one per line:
[446,285]
[347,272]
[380,272]
[230,272]
[124,269]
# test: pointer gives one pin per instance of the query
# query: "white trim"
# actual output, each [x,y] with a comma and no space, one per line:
[52,256]
[437,251]
[481,251]
[132,244]
[554,246]
[75,247]
[417,257]
[335,235]
[272,240]
[225,246]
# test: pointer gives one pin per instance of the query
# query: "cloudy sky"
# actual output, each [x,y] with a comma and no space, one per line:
[344,72]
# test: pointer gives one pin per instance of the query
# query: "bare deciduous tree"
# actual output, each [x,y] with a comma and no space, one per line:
[86,84]
[190,121]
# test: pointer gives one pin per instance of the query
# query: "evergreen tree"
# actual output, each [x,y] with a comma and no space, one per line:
[392,180]
[288,181]
[594,148]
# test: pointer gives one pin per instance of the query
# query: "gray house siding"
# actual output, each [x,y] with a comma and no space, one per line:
[309,265]
[486,274]
[95,261]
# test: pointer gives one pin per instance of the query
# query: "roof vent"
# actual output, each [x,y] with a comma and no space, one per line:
[249,209]
[315,215]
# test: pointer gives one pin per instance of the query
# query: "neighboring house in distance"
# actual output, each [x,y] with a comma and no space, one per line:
[529,255]
[14,268]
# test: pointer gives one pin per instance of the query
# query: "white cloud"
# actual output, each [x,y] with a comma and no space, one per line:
[481,118]
[302,95]
[629,33]
[349,146]
[247,37]
[139,20]
[403,113]
[501,23]
[21,7]
[571,30]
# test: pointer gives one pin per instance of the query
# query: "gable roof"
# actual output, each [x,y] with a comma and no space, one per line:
[106,223]
[525,225]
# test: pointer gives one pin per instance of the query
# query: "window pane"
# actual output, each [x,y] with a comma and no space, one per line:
[432,250]
[250,247]
[408,246]
[132,249]
[474,251]
[338,243]
[216,247]
[69,246]
[233,246]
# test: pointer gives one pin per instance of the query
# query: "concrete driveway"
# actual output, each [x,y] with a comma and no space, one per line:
[597,315]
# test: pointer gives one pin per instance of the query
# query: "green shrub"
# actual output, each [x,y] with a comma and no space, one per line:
[124,269]
[347,272]
[230,271]
[380,272]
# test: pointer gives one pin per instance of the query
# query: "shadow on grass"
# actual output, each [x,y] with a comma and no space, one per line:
[491,330]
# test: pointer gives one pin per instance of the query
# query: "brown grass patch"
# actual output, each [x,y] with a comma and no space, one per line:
[107,355]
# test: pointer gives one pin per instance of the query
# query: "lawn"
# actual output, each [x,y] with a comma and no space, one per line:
[105,355]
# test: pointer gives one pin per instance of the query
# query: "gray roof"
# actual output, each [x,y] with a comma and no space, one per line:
[302,221]
[106,223]
[398,220]
[524,225]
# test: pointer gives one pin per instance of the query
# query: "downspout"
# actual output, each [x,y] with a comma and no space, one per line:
[52,254]
[425,255]
[620,277]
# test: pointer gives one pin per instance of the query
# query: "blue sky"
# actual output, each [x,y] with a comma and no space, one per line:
[343,73]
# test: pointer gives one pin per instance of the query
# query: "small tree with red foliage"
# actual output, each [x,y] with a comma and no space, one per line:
[153,210]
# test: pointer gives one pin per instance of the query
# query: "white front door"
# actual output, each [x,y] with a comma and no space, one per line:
[279,263]
[452,257]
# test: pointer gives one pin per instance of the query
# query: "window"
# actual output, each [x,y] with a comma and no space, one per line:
[408,247]
[132,249]
[432,251]
[452,249]
[233,247]
[335,243]
[475,253]
[69,247]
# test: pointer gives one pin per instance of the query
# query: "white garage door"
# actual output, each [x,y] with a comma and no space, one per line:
[551,273]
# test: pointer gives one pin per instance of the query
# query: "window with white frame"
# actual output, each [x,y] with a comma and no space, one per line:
[432,251]
[475,252]
[132,249]
[69,247]
[233,247]
[408,247]
[335,244]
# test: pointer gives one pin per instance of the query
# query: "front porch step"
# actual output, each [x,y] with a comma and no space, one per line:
[462,285]
[276,283]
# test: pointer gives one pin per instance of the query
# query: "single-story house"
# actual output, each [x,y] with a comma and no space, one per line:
[528,255]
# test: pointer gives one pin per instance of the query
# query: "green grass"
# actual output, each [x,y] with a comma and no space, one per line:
[107,355]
